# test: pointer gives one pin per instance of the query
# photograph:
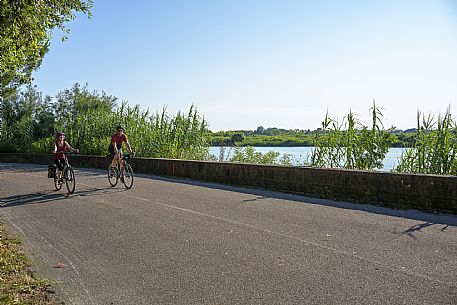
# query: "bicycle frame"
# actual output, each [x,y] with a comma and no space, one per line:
[123,171]
[67,174]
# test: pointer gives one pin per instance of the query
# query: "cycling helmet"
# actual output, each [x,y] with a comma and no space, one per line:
[119,127]
[60,133]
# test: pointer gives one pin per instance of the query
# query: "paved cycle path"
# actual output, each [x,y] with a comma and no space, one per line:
[169,241]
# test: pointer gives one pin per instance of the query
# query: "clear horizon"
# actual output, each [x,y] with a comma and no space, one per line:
[245,64]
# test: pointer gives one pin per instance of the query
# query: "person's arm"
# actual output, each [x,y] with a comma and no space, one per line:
[71,148]
[129,147]
[127,143]
[55,148]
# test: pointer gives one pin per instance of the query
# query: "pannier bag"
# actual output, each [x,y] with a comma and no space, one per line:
[52,170]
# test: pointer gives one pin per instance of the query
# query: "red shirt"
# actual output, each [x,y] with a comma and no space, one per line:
[60,148]
[119,139]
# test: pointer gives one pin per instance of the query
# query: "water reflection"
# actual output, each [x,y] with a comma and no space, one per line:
[299,154]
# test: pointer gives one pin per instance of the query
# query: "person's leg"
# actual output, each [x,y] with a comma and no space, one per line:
[59,164]
[114,159]
[122,168]
[56,162]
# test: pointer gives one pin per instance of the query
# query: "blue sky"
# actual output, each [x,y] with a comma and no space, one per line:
[252,63]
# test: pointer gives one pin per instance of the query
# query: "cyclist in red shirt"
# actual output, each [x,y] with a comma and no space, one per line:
[115,148]
[60,146]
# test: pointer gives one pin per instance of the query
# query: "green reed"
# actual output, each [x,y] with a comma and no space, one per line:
[435,147]
[248,154]
[350,144]
[328,150]
[183,136]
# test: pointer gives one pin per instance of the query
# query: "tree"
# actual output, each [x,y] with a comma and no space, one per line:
[24,117]
[77,100]
[25,31]
[259,130]
[237,137]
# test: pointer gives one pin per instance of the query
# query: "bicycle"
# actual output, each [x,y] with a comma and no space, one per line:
[67,174]
[126,177]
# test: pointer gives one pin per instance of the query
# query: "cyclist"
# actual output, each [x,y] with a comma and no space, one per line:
[60,146]
[115,149]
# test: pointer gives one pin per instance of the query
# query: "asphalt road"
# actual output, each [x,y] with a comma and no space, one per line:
[169,241]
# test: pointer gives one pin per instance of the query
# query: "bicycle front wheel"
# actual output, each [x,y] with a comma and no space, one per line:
[70,180]
[113,176]
[128,176]
[57,182]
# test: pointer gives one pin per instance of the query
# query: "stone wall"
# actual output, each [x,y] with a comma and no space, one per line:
[424,192]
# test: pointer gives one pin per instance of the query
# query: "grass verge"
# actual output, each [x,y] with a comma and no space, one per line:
[17,285]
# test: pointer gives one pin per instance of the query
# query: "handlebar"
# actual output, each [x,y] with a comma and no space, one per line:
[127,156]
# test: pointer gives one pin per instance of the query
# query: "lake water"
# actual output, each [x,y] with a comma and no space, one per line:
[299,154]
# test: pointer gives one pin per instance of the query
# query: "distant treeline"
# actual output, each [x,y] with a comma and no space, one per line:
[278,137]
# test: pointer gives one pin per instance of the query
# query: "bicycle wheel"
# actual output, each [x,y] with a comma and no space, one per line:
[113,177]
[69,177]
[128,176]
[57,183]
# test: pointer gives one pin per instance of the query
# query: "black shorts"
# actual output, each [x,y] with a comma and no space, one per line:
[60,163]
[112,153]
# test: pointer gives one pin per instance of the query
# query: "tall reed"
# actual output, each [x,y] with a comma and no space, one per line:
[435,147]
[350,144]
[183,136]
[328,144]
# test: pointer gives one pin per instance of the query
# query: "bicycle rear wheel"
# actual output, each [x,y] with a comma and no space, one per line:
[113,177]
[69,177]
[128,176]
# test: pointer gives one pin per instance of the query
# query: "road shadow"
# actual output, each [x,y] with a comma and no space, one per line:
[417,228]
[12,169]
[428,217]
[49,196]
[37,197]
